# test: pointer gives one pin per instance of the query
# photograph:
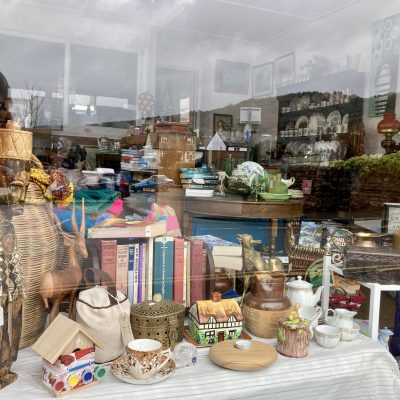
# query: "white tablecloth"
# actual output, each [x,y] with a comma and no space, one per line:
[361,369]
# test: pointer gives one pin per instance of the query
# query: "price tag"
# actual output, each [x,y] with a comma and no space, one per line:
[126,330]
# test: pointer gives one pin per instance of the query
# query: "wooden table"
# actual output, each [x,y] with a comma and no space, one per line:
[237,207]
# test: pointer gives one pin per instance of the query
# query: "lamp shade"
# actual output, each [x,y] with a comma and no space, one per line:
[389,124]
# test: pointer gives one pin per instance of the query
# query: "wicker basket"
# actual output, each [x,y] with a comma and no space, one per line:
[38,243]
[300,257]
[162,321]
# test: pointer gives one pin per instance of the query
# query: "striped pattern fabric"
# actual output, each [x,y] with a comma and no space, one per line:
[361,369]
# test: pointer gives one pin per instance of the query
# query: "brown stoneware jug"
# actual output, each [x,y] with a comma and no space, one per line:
[266,304]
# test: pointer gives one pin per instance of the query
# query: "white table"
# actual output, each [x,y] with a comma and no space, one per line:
[361,369]
[375,304]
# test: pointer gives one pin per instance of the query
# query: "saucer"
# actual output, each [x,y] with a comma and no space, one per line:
[120,368]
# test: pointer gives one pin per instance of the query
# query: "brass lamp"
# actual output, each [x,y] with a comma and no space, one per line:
[389,126]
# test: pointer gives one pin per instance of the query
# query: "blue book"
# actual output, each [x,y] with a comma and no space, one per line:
[163,270]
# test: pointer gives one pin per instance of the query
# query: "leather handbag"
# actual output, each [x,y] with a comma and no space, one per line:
[104,311]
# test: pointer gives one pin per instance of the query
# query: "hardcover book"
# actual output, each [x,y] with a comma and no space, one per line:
[108,257]
[121,276]
[310,234]
[221,247]
[130,229]
[163,271]
[197,270]
[131,262]
[179,260]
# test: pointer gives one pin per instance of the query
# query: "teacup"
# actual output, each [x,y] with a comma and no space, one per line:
[147,356]
[311,314]
[327,336]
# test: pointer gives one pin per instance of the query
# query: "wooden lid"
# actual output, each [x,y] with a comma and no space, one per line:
[259,355]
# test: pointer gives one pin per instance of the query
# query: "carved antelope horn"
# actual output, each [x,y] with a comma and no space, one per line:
[73,219]
[83,222]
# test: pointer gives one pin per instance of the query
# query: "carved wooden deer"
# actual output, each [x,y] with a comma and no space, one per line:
[252,260]
[57,284]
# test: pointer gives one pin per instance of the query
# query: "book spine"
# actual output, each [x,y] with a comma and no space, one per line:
[149,269]
[163,267]
[121,277]
[131,248]
[136,274]
[186,271]
[108,257]
[178,269]
[140,274]
[197,271]
[144,271]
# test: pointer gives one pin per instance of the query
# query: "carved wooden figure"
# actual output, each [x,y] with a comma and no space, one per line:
[57,284]
[252,260]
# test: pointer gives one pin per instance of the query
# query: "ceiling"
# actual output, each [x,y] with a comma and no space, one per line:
[246,20]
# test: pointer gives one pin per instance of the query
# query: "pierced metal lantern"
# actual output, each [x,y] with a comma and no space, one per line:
[159,319]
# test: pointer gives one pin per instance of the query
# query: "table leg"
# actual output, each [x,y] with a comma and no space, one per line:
[374,309]
[274,234]
[187,224]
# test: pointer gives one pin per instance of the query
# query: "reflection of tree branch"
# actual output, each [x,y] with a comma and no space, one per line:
[31,110]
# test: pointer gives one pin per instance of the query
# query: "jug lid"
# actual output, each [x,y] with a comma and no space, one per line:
[299,284]
[386,332]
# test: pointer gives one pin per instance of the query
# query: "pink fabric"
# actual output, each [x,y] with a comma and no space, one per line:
[116,208]
[165,213]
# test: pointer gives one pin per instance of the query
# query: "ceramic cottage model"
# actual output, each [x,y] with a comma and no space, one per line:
[215,320]
[68,352]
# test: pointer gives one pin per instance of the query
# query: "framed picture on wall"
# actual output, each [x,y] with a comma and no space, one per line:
[232,77]
[284,70]
[391,217]
[263,80]
[222,122]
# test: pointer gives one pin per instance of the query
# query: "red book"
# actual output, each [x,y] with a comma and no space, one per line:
[178,269]
[197,270]
[108,257]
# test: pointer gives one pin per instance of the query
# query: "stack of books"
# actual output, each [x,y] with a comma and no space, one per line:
[130,160]
[140,267]
[199,182]
[225,254]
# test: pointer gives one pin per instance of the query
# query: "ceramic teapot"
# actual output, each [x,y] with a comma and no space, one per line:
[300,292]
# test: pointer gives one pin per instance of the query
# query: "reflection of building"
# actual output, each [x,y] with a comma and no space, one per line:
[176,150]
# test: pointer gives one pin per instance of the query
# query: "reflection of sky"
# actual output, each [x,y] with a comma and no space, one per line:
[115,45]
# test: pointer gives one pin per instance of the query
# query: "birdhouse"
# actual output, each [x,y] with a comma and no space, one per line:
[68,352]
[215,320]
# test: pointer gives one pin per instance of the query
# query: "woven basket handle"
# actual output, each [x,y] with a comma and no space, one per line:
[106,281]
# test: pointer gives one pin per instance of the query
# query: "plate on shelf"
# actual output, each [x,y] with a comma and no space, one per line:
[120,368]
[305,102]
[187,336]
[302,122]
[296,194]
[275,196]
[294,103]
[334,119]
[316,120]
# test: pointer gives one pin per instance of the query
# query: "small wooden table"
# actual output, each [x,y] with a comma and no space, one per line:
[237,207]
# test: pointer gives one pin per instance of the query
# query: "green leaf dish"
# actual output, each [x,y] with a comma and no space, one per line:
[275,196]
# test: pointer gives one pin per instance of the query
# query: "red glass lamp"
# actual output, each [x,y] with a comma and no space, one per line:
[389,126]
